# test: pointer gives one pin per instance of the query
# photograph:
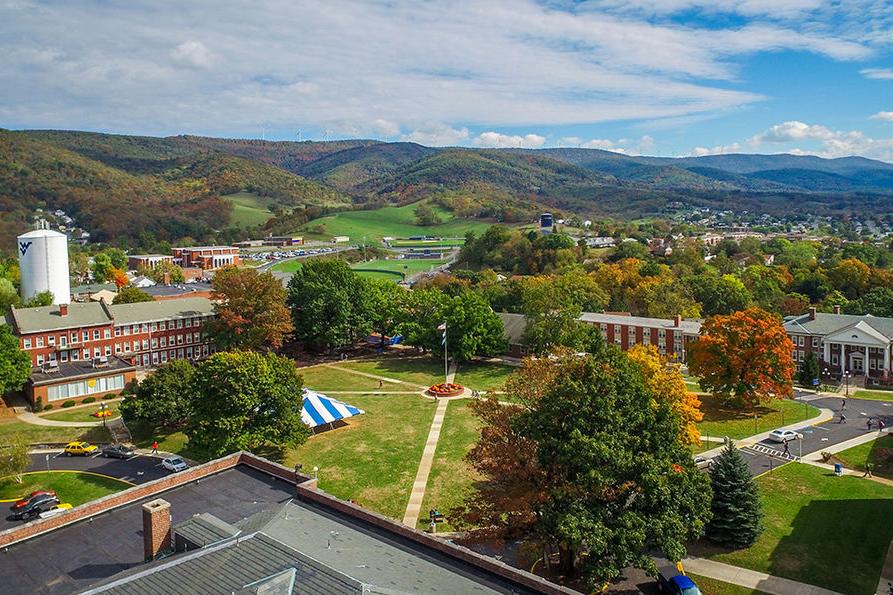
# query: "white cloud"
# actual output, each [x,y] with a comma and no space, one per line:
[717,150]
[791,131]
[574,141]
[883,74]
[192,53]
[886,116]
[385,128]
[496,140]
[622,145]
[437,136]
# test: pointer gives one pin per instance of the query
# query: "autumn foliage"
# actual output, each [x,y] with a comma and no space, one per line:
[119,278]
[745,356]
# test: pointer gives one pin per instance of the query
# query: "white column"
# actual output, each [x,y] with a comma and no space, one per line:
[865,363]
[826,359]
[842,360]
[886,360]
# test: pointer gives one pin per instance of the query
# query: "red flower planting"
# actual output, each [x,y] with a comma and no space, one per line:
[446,389]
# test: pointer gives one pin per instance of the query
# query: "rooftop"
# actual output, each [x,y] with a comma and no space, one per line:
[70,370]
[161,290]
[161,310]
[825,323]
[48,318]
[692,327]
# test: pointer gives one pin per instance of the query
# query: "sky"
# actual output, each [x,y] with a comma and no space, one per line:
[655,77]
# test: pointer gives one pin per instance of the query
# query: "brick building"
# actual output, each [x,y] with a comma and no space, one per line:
[206,258]
[135,261]
[82,349]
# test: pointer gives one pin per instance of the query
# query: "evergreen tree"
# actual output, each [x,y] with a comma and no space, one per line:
[737,511]
[809,369]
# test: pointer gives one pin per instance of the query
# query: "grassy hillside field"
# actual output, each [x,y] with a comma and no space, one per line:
[249,209]
[396,222]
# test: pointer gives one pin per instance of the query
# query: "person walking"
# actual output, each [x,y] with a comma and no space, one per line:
[380,384]
[868,423]
[867,470]
[787,448]
[843,404]
[880,426]
[842,418]
[155,447]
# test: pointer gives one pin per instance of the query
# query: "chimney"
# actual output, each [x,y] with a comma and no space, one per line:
[812,313]
[677,320]
[63,309]
[156,528]
[166,278]
[837,309]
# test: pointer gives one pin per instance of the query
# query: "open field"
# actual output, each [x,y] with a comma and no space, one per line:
[249,209]
[483,375]
[72,487]
[877,452]
[47,434]
[720,420]
[326,378]
[397,222]
[443,243]
[395,267]
[820,529]
[83,413]
[874,395]
[288,266]
[373,459]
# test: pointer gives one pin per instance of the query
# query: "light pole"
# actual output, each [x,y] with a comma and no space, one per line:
[846,378]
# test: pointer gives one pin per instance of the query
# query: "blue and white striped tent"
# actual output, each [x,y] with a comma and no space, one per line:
[320,410]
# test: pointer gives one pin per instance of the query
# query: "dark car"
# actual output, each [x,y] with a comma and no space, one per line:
[37,505]
[117,451]
[27,499]
[670,581]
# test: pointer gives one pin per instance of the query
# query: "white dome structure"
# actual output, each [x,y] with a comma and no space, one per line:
[43,262]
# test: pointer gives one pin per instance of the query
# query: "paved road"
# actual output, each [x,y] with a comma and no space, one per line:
[138,469]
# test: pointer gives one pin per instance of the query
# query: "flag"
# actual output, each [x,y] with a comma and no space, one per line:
[442,327]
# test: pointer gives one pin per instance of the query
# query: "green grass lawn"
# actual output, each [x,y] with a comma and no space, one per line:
[83,413]
[878,452]
[374,459]
[325,378]
[168,441]
[444,243]
[396,222]
[288,266]
[874,395]
[710,586]
[820,529]
[452,478]
[249,209]
[420,371]
[483,375]
[47,434]
[720,420]
[394,268]
[73,487]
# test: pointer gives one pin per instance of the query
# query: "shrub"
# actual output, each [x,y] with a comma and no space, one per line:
[88,400]
[48,407]
[67,404]
[38,404]
[110,396]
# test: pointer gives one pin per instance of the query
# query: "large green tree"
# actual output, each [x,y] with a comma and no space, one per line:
[809,369]
[719,294]
[102,267]
[382,305]
[245,400]
[250,308]
[329,304]
[9,297]
[737,513]
[163,398]
[14,457]
[131,295]
[15,364]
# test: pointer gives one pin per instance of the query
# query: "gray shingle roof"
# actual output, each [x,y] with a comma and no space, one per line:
[161,310]
[514,325]
[826,324]
[48,318]
[689,327]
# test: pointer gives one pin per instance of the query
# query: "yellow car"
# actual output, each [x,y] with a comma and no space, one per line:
[79,448]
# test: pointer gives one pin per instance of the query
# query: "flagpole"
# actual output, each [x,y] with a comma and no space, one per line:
[446,367]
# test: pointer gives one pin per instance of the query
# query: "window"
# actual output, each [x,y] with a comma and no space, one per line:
[188,323]
[173,353]
[162,325]
[86,354]
[39,360]
[646,337]
[197,337]
[155,357]
[189,352]
[40,341]
[75,355]
[616,329]
[794,355]
[86,335]
[96,352]
[154,343]
[661,333]
[144,328]
[96,334]
[64,356]
[117,348]
[189,337]
[135,329]
[604,327]
[106,334]
[63,340]
[153,327]
[205,349]
[179,323]
[74,337]
[872,364]
[834,359]
[802,341]
[51,340]
[26,343]
[117,331]
[127,347]
[145,344]
[800,355]
[179,339]
[136,345]
[164,341]
[815,341]
[126,331]
[164,357]
[82,388]
[180,353]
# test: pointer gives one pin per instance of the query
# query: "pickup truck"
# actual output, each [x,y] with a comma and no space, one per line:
[670,581]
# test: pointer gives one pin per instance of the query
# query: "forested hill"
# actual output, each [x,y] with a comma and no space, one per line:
[118,186]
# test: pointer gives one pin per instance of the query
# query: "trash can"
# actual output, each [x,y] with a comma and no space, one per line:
[838,469]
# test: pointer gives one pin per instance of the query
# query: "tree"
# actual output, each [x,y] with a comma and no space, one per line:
[719,294]
[809,369]
[14,457]
[160,269]
[382,306]
[44,298]
[667,385]
[131,295]
[9,297]
[243,400]
[745,356]
[15,364]
[877,302]
[163,398]
[630,249]
[737,515]
[851,277]
[79,266]
[250,309]
[328,304]
[102,267]
[119,278]
[426,215]
[610,481]
[117,257]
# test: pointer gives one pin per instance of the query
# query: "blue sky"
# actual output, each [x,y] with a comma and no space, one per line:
[660,77]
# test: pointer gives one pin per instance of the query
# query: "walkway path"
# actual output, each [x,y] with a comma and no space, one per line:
[751,578]
[31,418]
[411,516]
[368,375]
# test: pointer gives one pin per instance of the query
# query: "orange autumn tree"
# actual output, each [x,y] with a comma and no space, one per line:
[745,356]
[119,277]
[665,382]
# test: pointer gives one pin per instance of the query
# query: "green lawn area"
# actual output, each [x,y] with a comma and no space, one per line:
[249,209]
[878,452]
[288,266]
[720,420]
[483,375]
[47,434]
[83,413]
[73,487]
[444,243]
[396,222]
[452,478]
[168,441]
[874,395]
[710,586]
[820,529]
[420,371]
[394,268]
[374,459]
[703,446]
[325,378]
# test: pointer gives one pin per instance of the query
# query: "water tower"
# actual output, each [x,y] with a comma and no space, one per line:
[43,262]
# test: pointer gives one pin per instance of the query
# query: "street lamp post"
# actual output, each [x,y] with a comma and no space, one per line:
[846,379]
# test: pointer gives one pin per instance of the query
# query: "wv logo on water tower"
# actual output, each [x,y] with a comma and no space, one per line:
[23,247]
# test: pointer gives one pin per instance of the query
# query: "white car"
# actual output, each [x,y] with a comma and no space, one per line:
[57,509]
[174,464]
[782,435]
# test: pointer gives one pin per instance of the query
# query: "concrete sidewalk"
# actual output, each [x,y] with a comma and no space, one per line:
[823,416]
[417,495]
[751,578]
[30,418]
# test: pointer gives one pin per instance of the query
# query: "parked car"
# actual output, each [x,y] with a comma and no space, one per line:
[174,464]
[703,462]
[80,448]
[57,509]
[37,505]
[782,435]
[670,581]
[27,499]
[117,451]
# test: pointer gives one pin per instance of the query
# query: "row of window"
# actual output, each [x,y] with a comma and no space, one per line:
[123,348]
[63,339]
[105,333]
[631,331]
[799,355]
[82,388]
[147,327]
[161,357]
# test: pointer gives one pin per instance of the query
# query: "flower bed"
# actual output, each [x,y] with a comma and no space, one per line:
[446,389]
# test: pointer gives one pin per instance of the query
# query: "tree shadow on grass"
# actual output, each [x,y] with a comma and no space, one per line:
[715,409]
